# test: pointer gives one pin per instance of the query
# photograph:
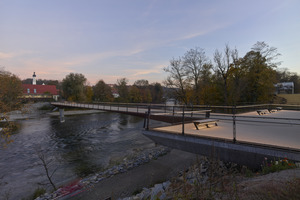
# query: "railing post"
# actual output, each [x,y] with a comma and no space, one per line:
[183,120]
[173,115]
[145,119]
[148,118]
[234,125]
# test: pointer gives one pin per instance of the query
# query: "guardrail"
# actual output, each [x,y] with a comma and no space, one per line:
[226,113]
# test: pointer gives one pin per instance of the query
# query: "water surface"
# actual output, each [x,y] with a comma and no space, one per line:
[82,145]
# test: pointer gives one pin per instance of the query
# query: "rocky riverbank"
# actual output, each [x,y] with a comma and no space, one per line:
[208,179]
[88,183]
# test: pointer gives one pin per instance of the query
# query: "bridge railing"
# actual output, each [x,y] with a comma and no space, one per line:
[188,114]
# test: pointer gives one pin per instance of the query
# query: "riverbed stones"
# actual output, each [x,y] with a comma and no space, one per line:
[127,164]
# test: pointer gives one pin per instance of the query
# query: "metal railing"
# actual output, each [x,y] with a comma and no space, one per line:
[185,114]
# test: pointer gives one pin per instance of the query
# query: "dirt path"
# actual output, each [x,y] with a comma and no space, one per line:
[156,171]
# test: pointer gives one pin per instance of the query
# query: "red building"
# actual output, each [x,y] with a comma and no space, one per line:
[33,91]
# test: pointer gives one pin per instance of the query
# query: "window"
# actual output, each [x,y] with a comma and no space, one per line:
[28,90]
[34,90]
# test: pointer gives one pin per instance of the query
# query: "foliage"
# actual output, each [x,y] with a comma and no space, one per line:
[235,80]
[276,165]
[73,86]
[157,92]
[224,63]
[10,90]
[123,90]
[88,90]
[102,92]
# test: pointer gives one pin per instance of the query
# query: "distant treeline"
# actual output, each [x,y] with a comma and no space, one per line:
[194,78]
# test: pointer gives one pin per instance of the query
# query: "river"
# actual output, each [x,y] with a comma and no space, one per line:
[82,145]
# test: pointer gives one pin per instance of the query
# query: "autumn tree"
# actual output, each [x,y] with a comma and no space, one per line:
[123,90]
[259,63]
[10,90]
[223,63]
[102,92]
[157,92]
[135,95]
[73,86]
[144,91]
[88,92]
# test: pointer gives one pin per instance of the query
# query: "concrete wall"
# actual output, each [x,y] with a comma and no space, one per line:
[250,155]
[293,99]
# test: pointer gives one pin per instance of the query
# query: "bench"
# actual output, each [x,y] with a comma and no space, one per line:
[278,108]
[205,122]
[272,110]
[262,112]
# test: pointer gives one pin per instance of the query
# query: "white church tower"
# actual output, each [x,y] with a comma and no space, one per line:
[33,79]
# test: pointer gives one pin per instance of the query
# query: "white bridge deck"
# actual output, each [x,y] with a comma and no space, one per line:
[261,129]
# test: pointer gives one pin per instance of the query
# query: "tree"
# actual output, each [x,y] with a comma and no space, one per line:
[142,83]
[268,53]
[89,93]
[261,78]
[196,64]
[10,90]
[135,95]
[102,92]
[222,68]
[157,92]
[144,92]
[177,80]
[123,90]
[73,87]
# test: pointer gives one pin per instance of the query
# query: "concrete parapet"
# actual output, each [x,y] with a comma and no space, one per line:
[251,155]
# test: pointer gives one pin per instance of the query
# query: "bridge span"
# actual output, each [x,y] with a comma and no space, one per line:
[242,137]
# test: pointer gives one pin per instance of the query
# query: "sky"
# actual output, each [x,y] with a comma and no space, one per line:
[136,39]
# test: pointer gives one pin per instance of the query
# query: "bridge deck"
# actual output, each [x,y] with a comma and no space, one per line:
[257,131]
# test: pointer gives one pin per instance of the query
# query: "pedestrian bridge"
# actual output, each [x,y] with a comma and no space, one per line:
[242,136]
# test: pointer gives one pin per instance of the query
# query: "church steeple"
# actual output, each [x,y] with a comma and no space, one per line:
[33,79]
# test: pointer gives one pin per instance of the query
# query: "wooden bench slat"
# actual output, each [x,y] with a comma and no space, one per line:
[205,122]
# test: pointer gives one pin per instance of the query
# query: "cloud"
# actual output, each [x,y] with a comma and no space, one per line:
[5,55]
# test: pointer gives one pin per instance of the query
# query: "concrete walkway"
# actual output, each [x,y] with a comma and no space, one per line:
[125,184]
[271,129]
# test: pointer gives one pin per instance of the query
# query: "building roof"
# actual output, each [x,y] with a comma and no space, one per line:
[40,89]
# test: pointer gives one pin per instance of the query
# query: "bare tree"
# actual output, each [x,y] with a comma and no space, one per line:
[223,64]
[267,52]
[177,79]
[46,164]
[195,63]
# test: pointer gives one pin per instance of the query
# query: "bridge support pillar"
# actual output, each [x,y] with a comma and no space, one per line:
[62,115]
